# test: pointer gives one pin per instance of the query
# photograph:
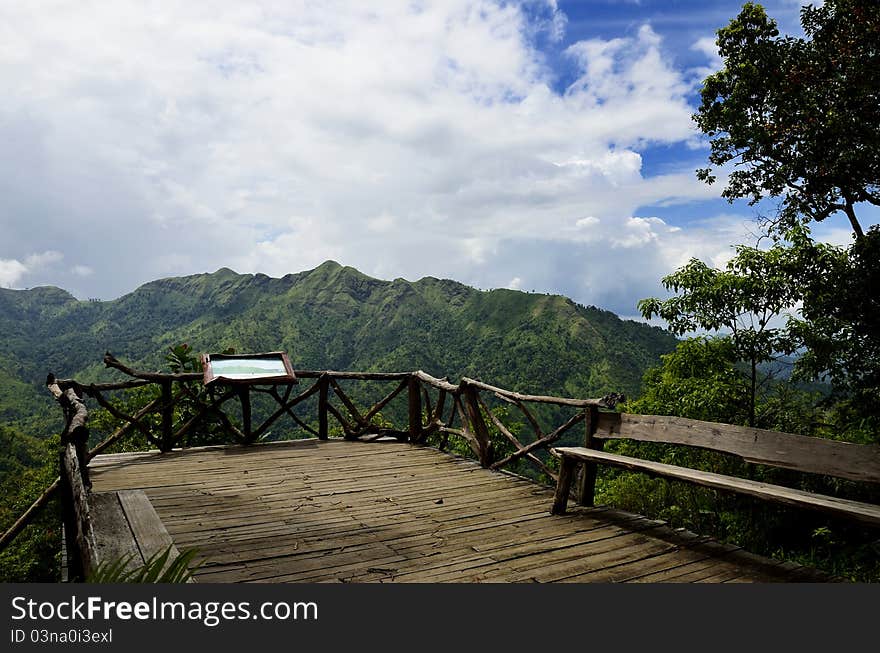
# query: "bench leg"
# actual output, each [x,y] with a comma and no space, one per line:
[563,486]
[587,489]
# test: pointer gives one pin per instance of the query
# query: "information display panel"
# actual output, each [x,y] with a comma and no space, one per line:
[271,367]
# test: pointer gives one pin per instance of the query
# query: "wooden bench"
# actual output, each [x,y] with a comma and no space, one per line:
[125,524]
[856,462]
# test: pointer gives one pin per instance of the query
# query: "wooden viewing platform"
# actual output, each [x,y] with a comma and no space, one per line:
[387,503]
[345,511]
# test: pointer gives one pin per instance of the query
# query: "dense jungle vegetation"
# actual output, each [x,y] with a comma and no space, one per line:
[786,336]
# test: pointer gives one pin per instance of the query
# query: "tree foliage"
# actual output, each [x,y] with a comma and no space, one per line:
[742,300]
[160,567]
[27,466]
[798,118]
[698,380]
[839,323]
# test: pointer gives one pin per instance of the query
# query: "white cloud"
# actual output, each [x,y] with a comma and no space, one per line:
[638,232]
[587,222]
[12,271]
[707,46]
[514,284]
[406,139]
[381,223]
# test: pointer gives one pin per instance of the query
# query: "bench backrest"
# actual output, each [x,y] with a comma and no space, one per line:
[856,462]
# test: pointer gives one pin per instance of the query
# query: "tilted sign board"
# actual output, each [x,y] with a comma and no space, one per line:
[272,367]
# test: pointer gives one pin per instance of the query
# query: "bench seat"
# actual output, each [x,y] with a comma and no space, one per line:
[864,512]
[126,525]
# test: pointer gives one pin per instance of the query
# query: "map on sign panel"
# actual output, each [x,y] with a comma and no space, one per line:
[248,368]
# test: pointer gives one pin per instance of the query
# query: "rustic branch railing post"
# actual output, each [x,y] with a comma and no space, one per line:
[481,431]
[166,441]
[587,489]
[68,521]
[428,409]
[244,397]
[79,533]
[359,423]
[515,441]
[441,402]
[323,387]
[76,430]
[415,409]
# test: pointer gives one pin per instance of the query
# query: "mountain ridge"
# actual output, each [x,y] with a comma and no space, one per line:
[330,317]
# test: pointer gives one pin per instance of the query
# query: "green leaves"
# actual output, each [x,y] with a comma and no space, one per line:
[698,380]
[798,118]
[840,319]
[744,302]
[181,358]
[159,568]
[741,299]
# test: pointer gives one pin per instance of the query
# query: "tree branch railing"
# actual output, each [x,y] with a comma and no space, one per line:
[455,418]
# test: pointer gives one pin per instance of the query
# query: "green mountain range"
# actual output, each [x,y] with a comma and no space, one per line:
[332,317]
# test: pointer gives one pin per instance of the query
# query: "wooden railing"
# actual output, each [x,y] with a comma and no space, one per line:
[74,483]
[500,428]
[434,407]
[437,412]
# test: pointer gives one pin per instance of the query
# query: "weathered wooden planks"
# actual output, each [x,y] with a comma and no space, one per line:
[856,462]
[113,536]
[127,526]
[149,532]
[864,512]
[336,511]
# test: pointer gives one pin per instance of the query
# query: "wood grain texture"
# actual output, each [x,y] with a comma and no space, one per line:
[83,534]
[856,462]
[349,511]
[113,536]
[865,512]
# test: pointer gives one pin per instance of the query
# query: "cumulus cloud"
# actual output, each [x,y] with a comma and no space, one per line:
[707,46]
[13,271]
[403,138]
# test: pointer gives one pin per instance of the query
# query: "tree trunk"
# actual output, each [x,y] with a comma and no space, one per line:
[853,220]
[753,391]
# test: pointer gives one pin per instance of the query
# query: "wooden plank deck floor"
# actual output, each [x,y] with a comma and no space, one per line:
[336,511]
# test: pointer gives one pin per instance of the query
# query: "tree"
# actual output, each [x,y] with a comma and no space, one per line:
[698,380]
[839,323]
[742,300]
[798,118]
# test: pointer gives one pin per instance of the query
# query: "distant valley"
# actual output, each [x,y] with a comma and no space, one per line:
[332,317]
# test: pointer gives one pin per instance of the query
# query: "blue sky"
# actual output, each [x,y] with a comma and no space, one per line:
[536,145]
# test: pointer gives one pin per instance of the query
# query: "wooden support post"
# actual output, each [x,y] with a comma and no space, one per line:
[75,572]
[587,489]
[563,486]
[481,431]
[80,528]
[415,409]
[428,409]
[244,395]
[441,403]
[76,430]
[323,387]
[166,443]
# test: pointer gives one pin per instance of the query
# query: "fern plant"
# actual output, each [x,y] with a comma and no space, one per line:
[156,569]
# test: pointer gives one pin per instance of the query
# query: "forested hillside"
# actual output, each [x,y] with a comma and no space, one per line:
[332,317]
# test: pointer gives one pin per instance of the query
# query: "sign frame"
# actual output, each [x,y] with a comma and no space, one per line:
[210,376]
